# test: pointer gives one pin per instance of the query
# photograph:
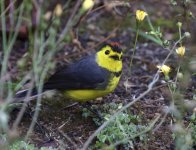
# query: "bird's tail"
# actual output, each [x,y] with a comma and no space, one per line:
[24,95]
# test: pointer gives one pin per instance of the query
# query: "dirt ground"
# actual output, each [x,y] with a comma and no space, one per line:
[63,124]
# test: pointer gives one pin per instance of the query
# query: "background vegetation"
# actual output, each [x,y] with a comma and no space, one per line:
[152,108]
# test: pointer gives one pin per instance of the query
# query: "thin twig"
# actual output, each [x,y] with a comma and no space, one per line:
[6,9]
[69,22]
[68,139]
[161,122]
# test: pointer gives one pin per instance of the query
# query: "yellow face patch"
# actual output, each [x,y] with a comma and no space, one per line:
[109,59]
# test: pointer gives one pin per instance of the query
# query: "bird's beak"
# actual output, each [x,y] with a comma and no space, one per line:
[115,57]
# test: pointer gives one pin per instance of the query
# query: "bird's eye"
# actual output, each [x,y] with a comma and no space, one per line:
[107,52]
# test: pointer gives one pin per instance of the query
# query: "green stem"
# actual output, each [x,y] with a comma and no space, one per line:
[180,34]
[176,79]
[3,24]
[134,48]
[7,47]
[158,39]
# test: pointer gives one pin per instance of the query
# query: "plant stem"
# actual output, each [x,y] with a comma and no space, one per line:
[180,34]
[134,48]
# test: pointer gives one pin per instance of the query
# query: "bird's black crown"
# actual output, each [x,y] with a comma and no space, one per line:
[115,47]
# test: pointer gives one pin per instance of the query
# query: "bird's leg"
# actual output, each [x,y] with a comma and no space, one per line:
[88,106]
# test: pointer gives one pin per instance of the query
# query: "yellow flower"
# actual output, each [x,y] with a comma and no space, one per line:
[180,51]
[140,15]
[87,4]
[58,10]
[165,69]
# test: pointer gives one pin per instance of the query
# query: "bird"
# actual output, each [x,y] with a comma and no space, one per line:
[91,77]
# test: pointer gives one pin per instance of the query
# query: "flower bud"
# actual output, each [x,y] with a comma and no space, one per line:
[47,15]
[187,34]
[179,24]
[87,4]
[180,75]
[58,10]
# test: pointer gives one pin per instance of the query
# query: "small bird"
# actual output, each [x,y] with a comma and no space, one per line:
[89,78]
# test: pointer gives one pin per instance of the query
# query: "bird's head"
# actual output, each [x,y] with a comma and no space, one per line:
[109,56]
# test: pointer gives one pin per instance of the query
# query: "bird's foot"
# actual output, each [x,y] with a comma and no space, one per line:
[88,106]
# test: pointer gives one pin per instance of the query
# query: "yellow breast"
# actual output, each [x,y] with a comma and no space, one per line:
[86,95]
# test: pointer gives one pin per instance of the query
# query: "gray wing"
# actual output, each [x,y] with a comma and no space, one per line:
[85,74]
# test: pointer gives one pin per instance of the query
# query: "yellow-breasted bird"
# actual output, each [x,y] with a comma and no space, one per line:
[91,77]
